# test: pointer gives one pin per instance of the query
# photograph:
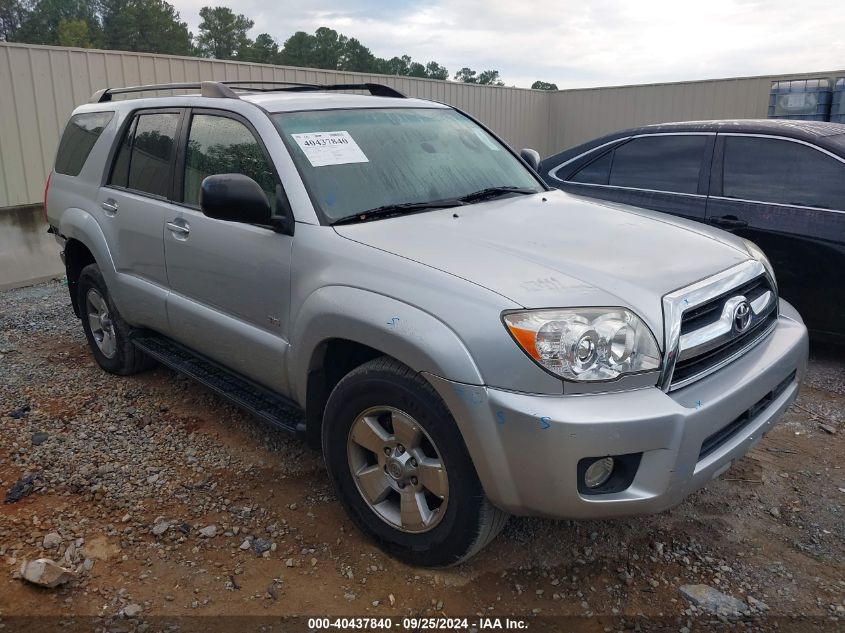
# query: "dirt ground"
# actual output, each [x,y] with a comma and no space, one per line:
[131,472]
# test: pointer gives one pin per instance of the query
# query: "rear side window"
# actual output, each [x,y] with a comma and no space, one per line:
[596,173]
[220,145]
[661,163]
[78,140]
[144,161]
[783,172]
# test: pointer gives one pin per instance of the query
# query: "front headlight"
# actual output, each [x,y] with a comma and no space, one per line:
[757,253]
[585,344]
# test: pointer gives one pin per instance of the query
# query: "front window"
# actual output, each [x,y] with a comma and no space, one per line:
[354,161]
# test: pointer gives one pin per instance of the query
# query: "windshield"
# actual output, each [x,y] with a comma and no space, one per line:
[353,161]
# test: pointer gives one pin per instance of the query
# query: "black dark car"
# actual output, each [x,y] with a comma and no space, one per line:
[778,183]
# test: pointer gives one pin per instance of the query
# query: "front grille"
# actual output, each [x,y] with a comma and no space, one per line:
[717,439]
[710,311]
[708,339]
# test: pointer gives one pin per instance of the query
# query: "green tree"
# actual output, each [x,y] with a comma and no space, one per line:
[543,85]
[149,26]
[433,70]
[73,33]
[41,25]
[298,50]
[466,75]
[12,14]
[328,48]
[395,65]
[357,57]
[222,33]
[416,69]
[490,78]
[263,50]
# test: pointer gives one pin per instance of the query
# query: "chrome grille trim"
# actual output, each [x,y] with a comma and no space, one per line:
[697,343]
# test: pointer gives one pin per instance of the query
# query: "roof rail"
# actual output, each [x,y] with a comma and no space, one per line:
[226,89]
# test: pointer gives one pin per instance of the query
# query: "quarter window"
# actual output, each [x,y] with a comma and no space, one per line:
[78,140]
[145,159]
[220,145]
[596,173]
[662,163]
[783,172]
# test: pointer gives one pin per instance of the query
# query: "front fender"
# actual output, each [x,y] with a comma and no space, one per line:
[408,334]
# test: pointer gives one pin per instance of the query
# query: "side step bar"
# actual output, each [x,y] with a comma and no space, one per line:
[261,402]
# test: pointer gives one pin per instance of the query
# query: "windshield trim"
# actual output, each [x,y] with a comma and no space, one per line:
[324,219]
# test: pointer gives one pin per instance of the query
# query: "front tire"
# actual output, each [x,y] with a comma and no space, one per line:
[107,333]
[399,466]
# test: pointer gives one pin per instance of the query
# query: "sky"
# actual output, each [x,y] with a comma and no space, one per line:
[573,44]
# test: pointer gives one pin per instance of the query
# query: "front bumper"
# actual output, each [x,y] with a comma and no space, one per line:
[526,447]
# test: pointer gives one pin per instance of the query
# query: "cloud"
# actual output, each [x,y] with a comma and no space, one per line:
[575,44]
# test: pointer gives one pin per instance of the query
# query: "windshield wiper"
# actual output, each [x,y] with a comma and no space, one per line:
[494,192]
[392,210]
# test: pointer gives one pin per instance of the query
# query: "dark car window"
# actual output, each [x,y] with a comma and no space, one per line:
[662,163]
[595,173]
[78,140]
[144,160]
[784,172]
[220,145]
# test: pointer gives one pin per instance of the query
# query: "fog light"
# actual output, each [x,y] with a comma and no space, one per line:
[599,472]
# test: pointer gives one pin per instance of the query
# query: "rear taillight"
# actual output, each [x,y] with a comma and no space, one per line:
[47,189]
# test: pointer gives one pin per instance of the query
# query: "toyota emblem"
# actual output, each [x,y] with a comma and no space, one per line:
[742,316]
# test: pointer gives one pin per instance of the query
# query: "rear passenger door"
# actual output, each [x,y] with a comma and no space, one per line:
[230,282]
[135,201]
[663,172]
[788,196]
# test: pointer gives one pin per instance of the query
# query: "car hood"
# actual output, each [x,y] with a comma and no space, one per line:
[557,250]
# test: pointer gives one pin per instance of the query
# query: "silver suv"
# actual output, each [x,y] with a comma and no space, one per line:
[387,277]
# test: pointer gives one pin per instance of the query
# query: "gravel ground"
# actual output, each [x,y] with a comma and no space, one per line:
[166,502]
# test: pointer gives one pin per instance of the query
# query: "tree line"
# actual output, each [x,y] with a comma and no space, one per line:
[154,26]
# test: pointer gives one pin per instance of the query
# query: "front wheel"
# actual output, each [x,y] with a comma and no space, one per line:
[400,467]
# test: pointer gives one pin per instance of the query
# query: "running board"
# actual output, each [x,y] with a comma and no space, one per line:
[261,402]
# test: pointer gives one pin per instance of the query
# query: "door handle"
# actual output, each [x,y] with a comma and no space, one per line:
[180,228]
[728,222]
[109,206]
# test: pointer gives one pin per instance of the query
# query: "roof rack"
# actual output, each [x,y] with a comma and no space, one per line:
[226,89]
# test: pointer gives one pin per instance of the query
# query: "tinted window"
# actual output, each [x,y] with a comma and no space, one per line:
[596,173]
[662,163]
[784,172]
[81,133]
[120,172]
[152,152]
[219,145]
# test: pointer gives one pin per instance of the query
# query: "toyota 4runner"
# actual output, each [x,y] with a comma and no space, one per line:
[387,277]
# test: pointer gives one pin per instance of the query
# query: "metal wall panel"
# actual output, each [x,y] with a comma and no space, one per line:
[577,116]
[40,86]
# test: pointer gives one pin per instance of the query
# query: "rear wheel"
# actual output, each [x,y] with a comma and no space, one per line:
[107,333]
[400,467]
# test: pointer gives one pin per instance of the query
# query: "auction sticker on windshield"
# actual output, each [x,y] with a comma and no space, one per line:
[330,148]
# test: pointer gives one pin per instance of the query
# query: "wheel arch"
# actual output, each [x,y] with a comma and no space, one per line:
[339,328]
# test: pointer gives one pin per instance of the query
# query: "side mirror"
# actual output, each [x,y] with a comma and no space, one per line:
[531,157]
[235,198]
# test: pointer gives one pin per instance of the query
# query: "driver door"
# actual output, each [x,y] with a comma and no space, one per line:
[230,282]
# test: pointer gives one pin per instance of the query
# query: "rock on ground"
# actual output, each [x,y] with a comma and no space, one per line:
[45,573]
[712,600]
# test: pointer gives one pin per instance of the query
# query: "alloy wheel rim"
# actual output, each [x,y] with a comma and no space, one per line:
[398,469]
[102,327]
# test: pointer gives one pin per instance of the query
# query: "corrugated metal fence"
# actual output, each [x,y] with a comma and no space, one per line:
[40,86]
[580,115]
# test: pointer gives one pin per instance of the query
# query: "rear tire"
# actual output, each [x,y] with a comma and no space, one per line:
[107,333]
[400,467]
